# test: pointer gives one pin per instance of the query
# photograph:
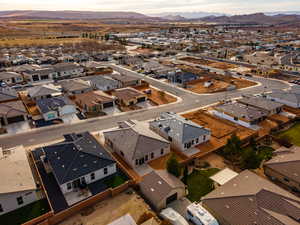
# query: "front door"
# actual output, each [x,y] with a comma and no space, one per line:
[141,161]
[76,183]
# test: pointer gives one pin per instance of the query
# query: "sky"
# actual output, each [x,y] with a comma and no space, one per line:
[156,6]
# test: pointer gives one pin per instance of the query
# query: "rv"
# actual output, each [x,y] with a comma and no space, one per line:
[200,216]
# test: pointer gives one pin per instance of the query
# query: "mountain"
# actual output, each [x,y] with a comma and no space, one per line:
[282,13]
[35,14]
[257,18]
[173,18]
[188,15]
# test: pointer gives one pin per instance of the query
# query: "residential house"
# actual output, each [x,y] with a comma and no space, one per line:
[264,104]
[10,78]
[182,133]
[136,143]
[8,94]
[18,187]
[94,101]
[161,188]
[103,83]
[77,162]
[75,86]
[125,80]
[44,91]
[284,167]
[12,112]
[39,74]
[289,97]
[181,77]
[67,70]
[241,114]
[55,107]
[250,199]
[129,96]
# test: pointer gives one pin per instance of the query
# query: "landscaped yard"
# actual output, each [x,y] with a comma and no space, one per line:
[199,183]
[116,181]
[292,134]
[25,213]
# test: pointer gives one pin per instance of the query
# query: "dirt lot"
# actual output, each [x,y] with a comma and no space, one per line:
[198,87]
[111,209]
[218,65]
[157,97]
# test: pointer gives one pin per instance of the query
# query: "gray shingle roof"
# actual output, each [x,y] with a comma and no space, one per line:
[178,127]
[78,155]
[260,102]
[53,104]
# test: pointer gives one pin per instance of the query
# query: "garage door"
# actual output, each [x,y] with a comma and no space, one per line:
[142,99]
[108,104]
[171,198]
[15,119]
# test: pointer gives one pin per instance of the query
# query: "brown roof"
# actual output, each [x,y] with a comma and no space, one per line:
[12,109]
[93,98]
[249,199]
[286,162]
[127,94]
[158,184]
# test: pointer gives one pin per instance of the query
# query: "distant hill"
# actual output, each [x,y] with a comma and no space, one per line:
[34,14]
[188,15]
[257,18]
[173,18]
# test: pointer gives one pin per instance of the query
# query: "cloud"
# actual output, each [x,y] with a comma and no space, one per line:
[155,6]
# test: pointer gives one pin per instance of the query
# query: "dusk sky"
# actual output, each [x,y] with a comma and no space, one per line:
[156,6]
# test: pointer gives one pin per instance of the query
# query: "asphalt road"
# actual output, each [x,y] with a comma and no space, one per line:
[189,101]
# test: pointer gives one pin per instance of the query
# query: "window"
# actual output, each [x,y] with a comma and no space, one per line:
[204,138]
[152,155]
[136,162]
[146,158]
[69,186]
[236,119]
[92,176]
[105,170]
[162,151]
[192,142]
[197,140]
[20,200]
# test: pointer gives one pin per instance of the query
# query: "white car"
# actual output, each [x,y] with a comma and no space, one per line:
[199,215]
[173,217]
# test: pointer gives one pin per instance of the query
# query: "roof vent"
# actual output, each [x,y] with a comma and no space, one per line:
[152,189]
[159,182]
[227,206]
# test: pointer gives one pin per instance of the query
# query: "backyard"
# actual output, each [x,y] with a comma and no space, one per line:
[199,184]
[116,181]
[25,213]
[292,134]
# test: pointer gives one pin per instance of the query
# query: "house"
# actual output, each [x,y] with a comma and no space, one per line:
[75,86]
[284,167]
[289,97]
[18,187]
[67,70]
[125,80]
[241,114]
[8,94]
[12,112]
[10,78]
[261,103]
[38,74]
[182,133]
[181,77]
[129,96]
[55,108]
[77,162]
[161,188]
[44,91]
[94,101]
[250,199]
[136,143]
[103,83]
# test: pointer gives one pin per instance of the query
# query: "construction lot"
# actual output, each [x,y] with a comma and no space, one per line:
[221,131]
[217,65]
[111,209]
[218,82]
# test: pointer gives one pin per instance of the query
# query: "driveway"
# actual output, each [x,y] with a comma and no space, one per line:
[180,206]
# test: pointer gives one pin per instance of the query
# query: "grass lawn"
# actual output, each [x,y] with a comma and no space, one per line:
[25,213]
[292,134]
[199,183]
[116,181]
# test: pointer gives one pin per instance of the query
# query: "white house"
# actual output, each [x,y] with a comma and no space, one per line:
[182,133]
[77,161]
[290,97]
[18,187]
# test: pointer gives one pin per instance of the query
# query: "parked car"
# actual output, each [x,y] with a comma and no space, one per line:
[173,217]
[199,215]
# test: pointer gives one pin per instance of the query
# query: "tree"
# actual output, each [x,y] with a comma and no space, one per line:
[253,144]
[233,146]
[173,166]
[185,174]
[250,159]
